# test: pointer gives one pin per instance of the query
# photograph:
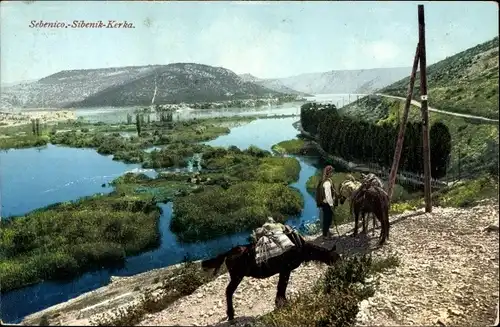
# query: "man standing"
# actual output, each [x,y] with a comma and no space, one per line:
[326,199]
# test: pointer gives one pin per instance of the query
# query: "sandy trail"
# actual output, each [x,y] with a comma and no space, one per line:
[448,275]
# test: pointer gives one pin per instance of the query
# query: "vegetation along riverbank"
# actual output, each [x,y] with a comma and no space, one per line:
[466,193]
[242,188]
[474,144]
[251,185]
[63,240]
[127,142]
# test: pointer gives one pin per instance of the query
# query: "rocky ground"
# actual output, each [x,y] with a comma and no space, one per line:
[21,118]
[121,291]
[448,275]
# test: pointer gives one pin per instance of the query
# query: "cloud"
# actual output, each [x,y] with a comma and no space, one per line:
[244,45]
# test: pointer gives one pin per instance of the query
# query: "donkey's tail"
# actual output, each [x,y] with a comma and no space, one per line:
[214,263]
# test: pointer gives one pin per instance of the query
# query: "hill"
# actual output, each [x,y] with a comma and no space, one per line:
[57,90]
[128,86]
[466,82]
[250,78]
[345,81]
[474,143]
[272,84]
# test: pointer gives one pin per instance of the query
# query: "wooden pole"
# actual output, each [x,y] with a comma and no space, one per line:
[402,126]
[425,112]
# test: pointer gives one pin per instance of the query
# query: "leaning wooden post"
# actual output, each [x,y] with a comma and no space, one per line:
[402,126]
[425,112]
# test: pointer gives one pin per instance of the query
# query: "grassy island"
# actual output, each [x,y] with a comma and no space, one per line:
[66,239]
[295,146]
[251,186]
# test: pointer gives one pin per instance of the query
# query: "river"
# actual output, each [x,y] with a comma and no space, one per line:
[33,178]
[119,115]
[36,177]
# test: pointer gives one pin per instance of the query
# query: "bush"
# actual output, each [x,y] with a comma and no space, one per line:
[468,193]
[18,142]
[334,301]
[253,187]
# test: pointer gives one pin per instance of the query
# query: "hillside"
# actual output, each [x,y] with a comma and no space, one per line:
[272,84]
[466,82]
[180,82]
[474,144]
[60,89]
[345,81]
[128,86]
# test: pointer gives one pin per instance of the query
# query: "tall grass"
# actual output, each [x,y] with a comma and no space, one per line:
[65,240]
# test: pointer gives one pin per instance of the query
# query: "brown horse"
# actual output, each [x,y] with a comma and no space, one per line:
[371,199]
[346,191]
[240,262]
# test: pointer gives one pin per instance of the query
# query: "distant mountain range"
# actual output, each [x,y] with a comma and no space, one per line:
[333,82]
[345,81]
[181,82]
[272,84]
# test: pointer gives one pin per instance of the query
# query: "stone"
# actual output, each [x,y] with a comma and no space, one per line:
[456,312]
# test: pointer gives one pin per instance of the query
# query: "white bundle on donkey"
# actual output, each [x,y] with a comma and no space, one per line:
[271,241]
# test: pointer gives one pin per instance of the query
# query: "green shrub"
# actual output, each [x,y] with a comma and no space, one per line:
[468,193]
[27,141]
[334,300]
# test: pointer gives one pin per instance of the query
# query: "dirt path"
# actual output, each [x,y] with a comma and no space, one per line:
[448,275]
[456,114]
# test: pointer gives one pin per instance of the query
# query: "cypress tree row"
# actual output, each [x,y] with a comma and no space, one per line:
[357,140]
[440,143]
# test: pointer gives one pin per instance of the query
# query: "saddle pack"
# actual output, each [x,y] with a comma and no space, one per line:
[272,241]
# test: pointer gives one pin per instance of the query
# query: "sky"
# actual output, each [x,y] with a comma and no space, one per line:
[266,39]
